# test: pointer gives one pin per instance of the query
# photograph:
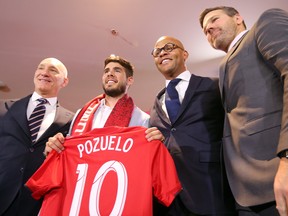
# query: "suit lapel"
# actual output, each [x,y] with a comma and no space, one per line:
[223,66]
[158,106]
[194,83]
[62,117]
[17,110]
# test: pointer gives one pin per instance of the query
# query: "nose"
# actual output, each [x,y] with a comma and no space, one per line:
[44,72]
[162,53]
[110,73]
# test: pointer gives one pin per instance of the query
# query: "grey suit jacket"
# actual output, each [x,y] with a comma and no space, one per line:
[254,84]
[19,159]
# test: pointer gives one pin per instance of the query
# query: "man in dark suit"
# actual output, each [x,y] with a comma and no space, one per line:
[253,85]
[19,156]
[194,137]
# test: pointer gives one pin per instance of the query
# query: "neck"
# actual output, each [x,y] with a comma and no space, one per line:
[111,101]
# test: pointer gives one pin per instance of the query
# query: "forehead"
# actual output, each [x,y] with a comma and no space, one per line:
[162,42]
[49,62]
[52,63]
[212,14]
[113,65]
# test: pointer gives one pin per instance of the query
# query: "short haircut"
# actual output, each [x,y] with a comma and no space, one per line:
[230,11]
[124,63]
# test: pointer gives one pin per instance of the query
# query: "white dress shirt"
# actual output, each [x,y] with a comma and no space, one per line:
[236,39]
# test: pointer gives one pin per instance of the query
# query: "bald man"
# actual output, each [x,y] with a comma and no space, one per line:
[20,156]
[193,134]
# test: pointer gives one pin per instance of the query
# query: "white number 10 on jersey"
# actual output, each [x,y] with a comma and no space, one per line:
[82,170]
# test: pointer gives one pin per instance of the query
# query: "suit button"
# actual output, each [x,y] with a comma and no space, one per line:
[31,149]
[173,129]
[21,169]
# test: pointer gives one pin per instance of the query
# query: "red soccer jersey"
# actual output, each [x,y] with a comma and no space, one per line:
[108,171]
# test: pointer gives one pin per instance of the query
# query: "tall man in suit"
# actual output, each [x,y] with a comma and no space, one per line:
[253,85]
[19,156]
[194,137]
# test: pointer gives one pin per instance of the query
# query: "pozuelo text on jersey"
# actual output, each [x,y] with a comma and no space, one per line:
[105,143]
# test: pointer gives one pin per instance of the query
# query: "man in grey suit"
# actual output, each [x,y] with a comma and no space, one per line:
[194,137]
[20,157]
[253,84]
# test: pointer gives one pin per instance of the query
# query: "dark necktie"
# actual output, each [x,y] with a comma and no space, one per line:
[172,100]
[36,118]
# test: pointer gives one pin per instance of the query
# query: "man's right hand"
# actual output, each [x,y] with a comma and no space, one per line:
[54,143]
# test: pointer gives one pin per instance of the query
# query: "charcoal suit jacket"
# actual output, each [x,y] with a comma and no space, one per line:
[254,87]
[194,142]
[19,159]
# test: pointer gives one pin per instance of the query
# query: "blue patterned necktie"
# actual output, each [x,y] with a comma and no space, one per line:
[172,100]
[36,118]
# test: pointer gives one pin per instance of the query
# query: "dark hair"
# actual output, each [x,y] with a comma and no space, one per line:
[126,64]
[230,11]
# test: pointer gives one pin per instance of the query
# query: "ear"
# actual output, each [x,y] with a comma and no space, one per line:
[185,55]
[130,80]
[65,82]
[238,19]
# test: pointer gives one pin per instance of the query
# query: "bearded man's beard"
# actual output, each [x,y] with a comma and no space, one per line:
[116,91]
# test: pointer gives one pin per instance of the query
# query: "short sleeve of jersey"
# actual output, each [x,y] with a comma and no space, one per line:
[48,177]
[165,181]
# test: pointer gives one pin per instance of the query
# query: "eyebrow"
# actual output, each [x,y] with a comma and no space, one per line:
[117,67]
[53,67]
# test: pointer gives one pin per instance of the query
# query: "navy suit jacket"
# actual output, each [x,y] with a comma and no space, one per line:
[19,159]
[194,141]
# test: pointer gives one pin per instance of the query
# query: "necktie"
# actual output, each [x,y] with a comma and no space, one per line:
[172,99]
[36,118]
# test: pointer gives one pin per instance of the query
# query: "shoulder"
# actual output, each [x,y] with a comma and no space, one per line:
[273,17]
[273,12]
[139,118]
[207,81]
[138,111]
[7,104]
[10,102]
[68,113]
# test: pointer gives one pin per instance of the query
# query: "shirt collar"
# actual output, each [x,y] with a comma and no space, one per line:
[236,39]
[183,76]
[52,101]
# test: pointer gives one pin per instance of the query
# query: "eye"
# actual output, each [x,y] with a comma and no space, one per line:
[168,47]
[214,19]
[53,70]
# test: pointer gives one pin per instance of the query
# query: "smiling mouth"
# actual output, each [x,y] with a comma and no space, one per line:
[111,81]
[44,80]
[165,61]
